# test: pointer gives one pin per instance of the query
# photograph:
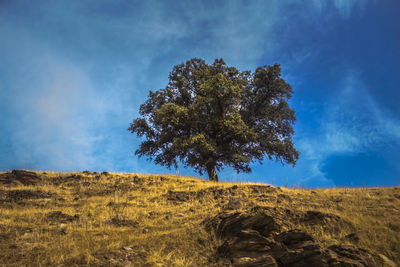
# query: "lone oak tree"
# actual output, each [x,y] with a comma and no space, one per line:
[209,116]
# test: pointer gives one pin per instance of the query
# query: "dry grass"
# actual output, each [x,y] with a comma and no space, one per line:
[127,219]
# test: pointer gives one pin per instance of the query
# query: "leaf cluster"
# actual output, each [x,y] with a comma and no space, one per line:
[209,116]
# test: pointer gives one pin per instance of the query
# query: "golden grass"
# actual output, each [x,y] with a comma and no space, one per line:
[126,220]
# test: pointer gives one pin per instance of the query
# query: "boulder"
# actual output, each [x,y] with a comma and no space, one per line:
[229,224]
[258,238]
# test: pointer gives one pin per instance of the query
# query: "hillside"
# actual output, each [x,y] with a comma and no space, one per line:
[114,219]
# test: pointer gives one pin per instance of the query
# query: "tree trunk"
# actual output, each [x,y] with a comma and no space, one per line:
[212,174]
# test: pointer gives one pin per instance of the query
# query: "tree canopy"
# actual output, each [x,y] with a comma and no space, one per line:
[210,116]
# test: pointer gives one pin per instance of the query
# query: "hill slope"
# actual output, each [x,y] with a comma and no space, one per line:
[114,219]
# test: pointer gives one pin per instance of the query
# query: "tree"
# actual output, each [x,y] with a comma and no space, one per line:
[209,116]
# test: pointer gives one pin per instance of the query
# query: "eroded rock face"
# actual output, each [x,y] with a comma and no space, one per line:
[230,224]
[257,238]
[345,255]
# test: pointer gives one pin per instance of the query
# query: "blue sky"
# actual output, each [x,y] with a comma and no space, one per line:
[73,74]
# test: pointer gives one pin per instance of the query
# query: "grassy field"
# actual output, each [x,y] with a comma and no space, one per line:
[115,219]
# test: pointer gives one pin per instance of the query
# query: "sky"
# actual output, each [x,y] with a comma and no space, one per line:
[74,73]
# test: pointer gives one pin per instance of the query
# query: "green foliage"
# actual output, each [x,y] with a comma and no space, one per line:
[209,116]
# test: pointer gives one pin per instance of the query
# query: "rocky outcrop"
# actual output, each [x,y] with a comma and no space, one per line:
[259,238]
[20,177]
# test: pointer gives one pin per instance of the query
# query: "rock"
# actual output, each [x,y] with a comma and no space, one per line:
[27,177]
[261,261]
[58,216]
[18,195]
[246,243]
[233,204]
[386,261]
[70,180]
[397,196]
[63,228]
[299,249]
[86,184]
[265,198]
[293,237]
[138,180]
[261,189]
[178,196]
[119,222]
[20,177]
[337,199]
[345,255]
[257,238]
[353,237]
[9,180]
[127,263]
[283,197]
[201,241]
[216,192]
[229,224]
[314,217]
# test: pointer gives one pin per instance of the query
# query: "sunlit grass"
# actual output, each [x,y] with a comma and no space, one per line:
[119,219]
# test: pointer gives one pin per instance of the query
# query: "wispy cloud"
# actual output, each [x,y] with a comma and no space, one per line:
[352,123]
[77,72]
[74,74]
[343,7]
